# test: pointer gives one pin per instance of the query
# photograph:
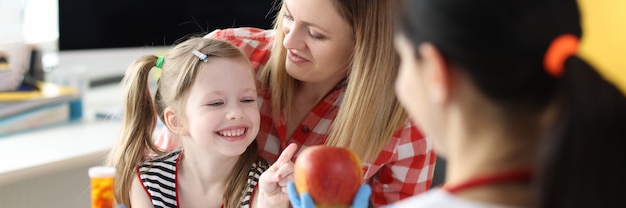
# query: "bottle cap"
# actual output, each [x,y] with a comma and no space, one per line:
[101,172]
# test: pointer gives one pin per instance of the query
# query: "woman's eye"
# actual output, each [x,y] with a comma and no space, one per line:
[315,36]
[288,17]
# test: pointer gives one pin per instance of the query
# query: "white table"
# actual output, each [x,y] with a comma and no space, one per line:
[41,151]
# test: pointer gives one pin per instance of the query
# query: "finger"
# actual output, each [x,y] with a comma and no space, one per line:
[294,198]
[281,169]
[287,153]
[267,182]
[284,170]
[286,177]
[283,182]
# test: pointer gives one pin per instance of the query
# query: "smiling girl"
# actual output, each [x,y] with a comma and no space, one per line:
[207,97]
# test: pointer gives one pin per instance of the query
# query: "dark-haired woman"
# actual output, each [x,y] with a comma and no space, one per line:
[520,118]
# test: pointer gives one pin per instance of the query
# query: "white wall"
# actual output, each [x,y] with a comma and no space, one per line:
[64,189]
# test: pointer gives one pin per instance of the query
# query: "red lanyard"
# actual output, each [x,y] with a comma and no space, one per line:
[515,175]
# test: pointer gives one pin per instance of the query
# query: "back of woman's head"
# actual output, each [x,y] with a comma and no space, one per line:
[499,44]
[179,69]
[501,47]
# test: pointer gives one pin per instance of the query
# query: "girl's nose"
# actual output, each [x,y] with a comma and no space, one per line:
[234,113]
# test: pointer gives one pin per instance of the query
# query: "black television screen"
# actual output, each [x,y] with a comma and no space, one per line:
[88,24]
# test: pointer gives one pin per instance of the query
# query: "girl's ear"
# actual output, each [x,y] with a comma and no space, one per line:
[173,123]
[437,73]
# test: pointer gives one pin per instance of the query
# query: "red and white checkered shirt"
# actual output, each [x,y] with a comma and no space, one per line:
[403,168]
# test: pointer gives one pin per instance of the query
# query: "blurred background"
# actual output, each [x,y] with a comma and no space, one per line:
[87,24]
[604,37]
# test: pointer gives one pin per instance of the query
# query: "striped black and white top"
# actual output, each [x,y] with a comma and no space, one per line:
[159,179]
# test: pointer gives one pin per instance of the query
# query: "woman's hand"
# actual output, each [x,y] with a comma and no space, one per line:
[361,199]
[273,182]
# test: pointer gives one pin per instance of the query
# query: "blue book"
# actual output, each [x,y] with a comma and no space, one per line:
[16,102]
[44,116]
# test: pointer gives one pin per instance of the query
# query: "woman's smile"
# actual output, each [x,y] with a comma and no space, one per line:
[295,58]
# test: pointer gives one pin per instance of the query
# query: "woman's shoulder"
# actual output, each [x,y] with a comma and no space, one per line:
[407,142]
[432,198]
[440,198]
[407,137]
[408,133]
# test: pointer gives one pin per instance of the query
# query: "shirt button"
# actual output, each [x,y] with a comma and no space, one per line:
[305,129]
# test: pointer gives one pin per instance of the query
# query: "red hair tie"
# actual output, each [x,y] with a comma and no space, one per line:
[561,48]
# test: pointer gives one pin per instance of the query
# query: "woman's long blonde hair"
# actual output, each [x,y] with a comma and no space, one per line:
[179,71]
[370,112]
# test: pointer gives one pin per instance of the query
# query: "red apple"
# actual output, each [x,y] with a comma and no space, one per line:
[331,175]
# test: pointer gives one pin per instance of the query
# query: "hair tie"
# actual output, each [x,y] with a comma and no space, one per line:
[159,62]
[200,55]
[561,48]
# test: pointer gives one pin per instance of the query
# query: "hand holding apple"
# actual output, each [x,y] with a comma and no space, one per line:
[330,175]
[361,200]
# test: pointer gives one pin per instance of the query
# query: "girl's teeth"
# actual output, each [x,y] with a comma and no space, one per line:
[230,133]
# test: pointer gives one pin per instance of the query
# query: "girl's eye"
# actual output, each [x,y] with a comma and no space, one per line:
[248,100]
[215,104]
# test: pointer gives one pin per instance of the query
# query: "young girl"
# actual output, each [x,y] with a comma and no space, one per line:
[206,96]
[521,119]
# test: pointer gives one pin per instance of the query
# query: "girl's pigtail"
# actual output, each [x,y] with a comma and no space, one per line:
[139,121]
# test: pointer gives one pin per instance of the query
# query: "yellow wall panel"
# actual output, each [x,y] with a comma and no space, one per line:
[604,38]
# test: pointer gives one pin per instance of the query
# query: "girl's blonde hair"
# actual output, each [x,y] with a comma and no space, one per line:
[179,72]
[370,112]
